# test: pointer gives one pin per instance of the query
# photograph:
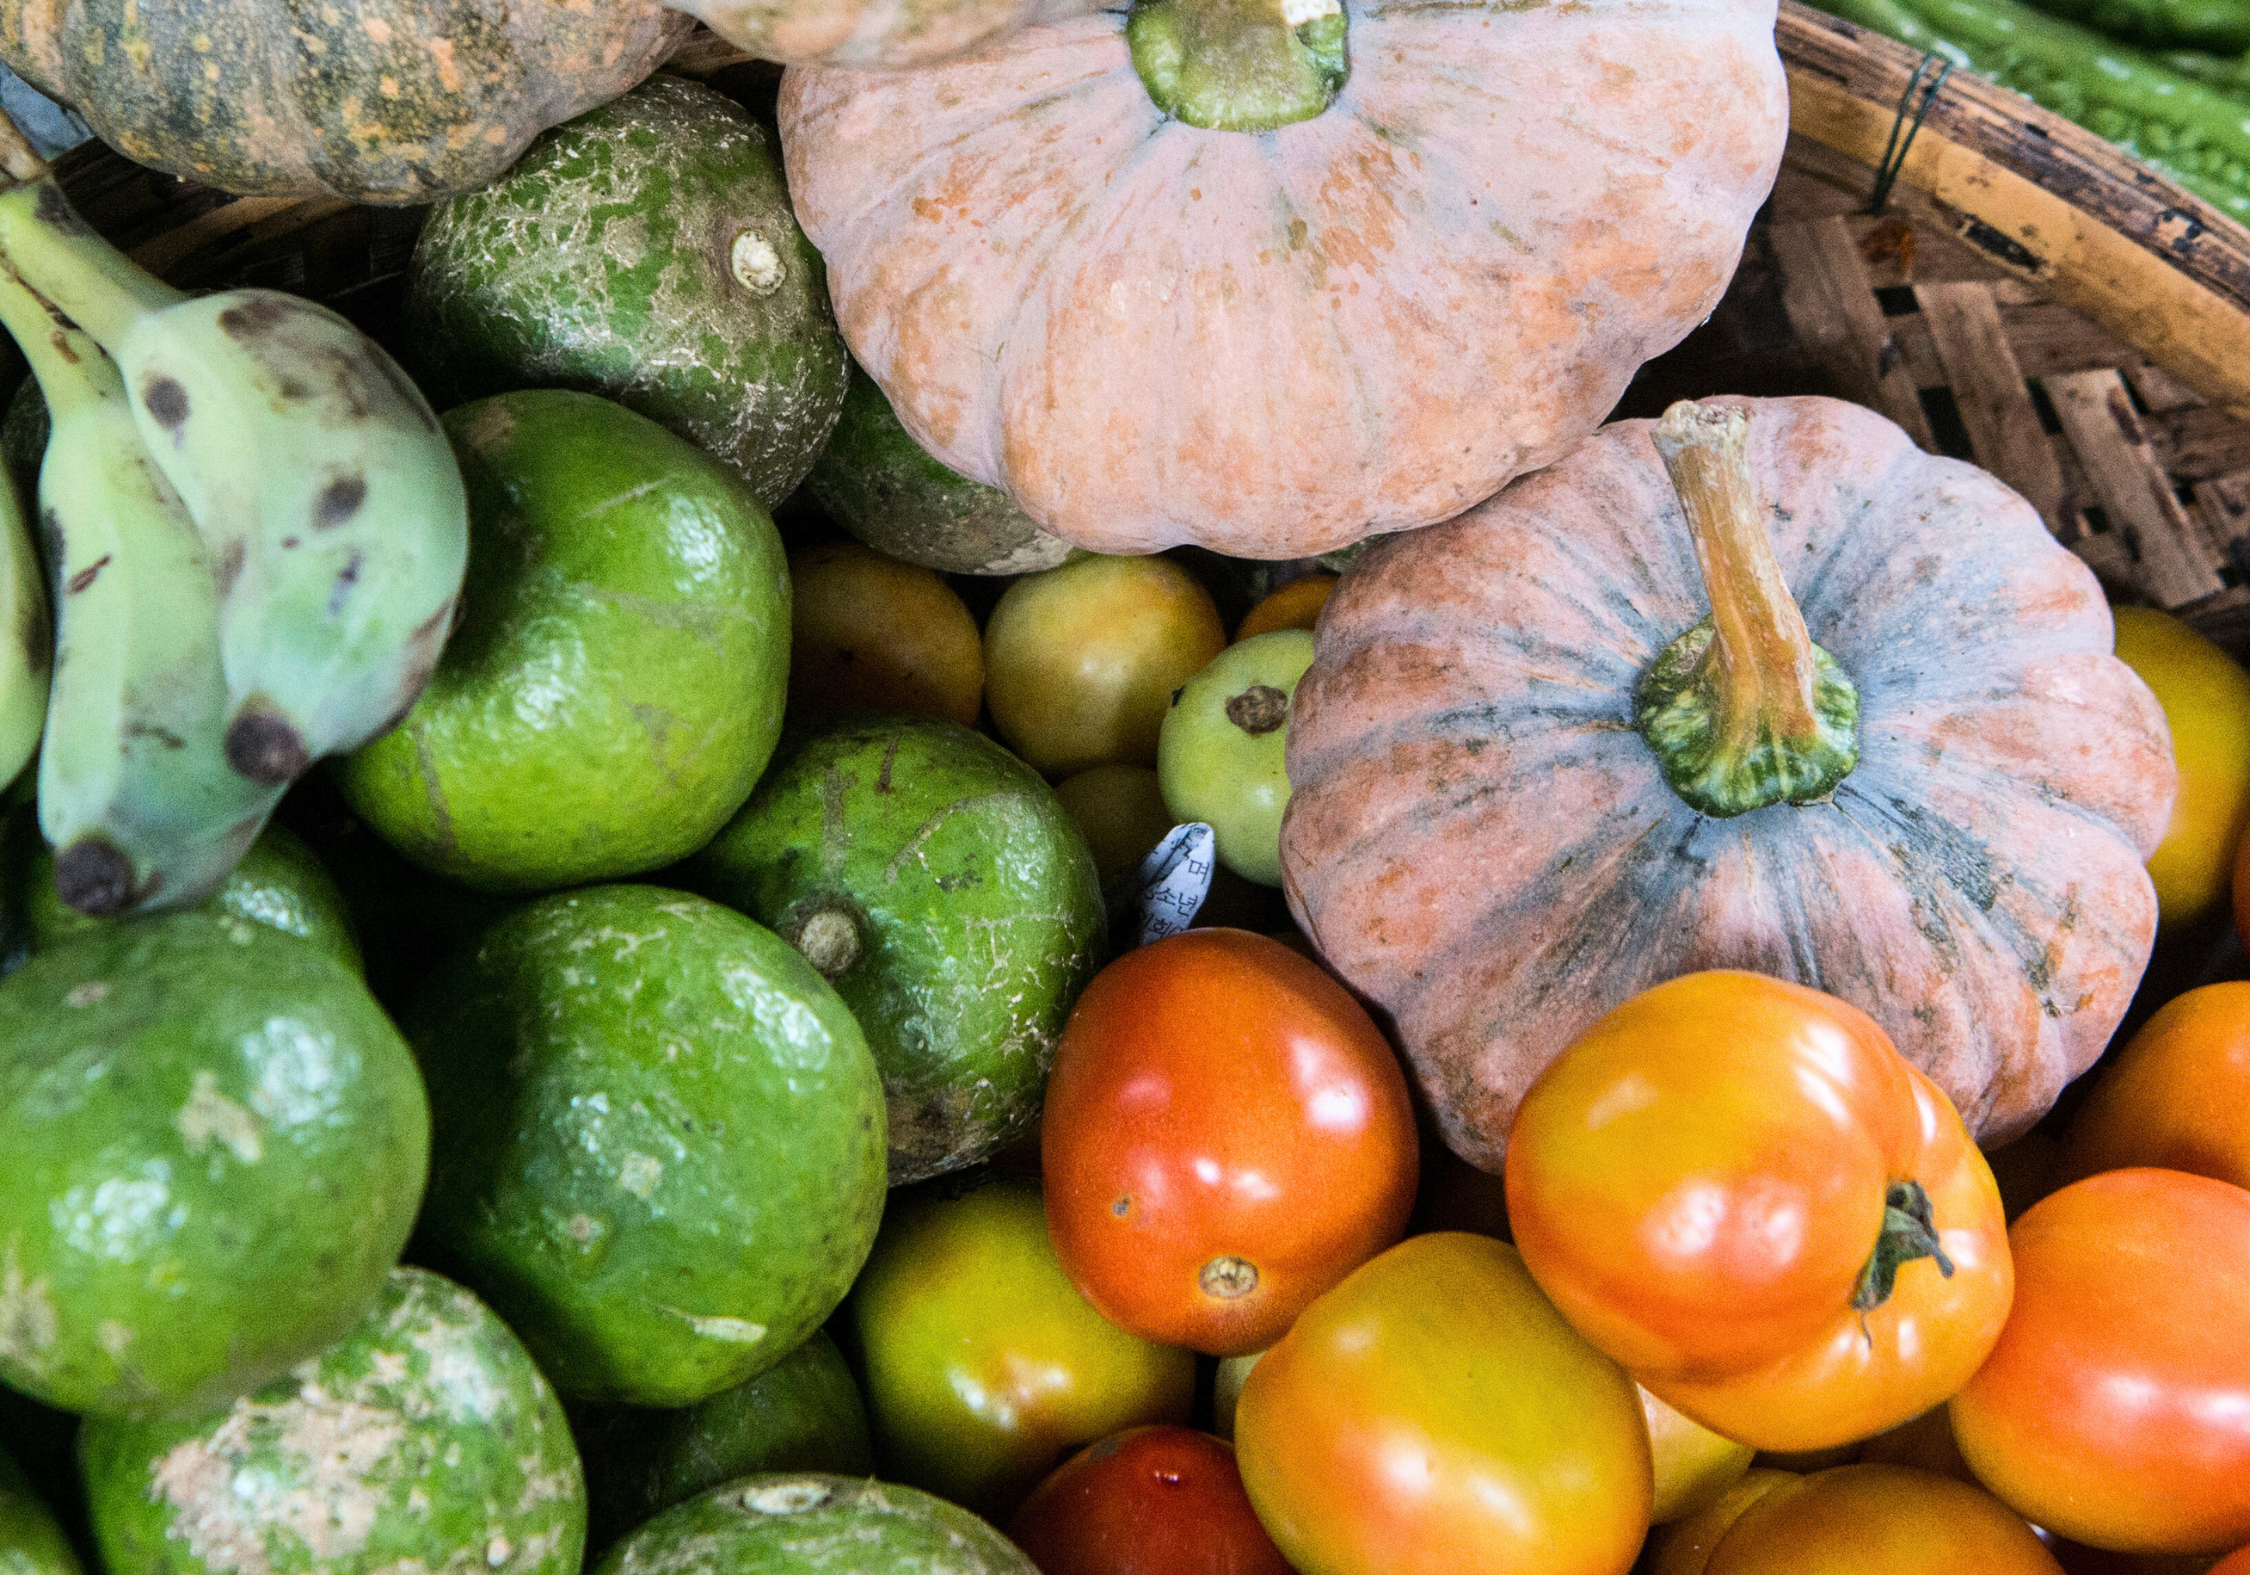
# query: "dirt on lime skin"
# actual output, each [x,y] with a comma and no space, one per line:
[617,680]
[805,1414]
[215,1141]
[646,252]
[940,885]
[812,1524]
[424,1440]
[660,1140]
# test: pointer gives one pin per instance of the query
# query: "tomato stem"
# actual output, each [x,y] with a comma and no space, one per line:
[1908,1233]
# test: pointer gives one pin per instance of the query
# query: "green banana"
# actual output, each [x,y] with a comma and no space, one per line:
[135,789]
[325,490]
[27,640]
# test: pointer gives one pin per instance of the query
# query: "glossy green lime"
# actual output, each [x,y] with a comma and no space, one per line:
[811,1524]
[890,492]
[939,884]
[647,252]
[617,680]
[31,1541]
[424,1440]
[804,1414]
[215,1142]
[659,1143]
[1221,754]
[279,884]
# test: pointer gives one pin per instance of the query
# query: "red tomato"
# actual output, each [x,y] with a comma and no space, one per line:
[1711,1183]
[1147,1501]
[1226,1136]
[1879,1520]
[2174,1096]
[2236,1563]
[2116,1408]
[1434,1415]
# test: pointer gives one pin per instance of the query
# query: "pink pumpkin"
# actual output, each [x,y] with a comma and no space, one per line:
[1206,276]
[1532,777]
[871,35]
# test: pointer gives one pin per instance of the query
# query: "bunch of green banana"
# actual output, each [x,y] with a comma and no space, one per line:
[135,790]
[27,642]
[331,524]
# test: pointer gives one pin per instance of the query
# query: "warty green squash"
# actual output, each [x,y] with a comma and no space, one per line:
[378,101]
[1849,717]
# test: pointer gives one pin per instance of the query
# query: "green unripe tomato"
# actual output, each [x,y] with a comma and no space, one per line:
[982,1365]
[1219,757]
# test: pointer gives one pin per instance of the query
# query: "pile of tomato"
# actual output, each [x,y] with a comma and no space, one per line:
[1747,1280]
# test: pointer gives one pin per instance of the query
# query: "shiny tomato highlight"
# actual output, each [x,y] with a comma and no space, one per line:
[1226,1136]
[1739,1189]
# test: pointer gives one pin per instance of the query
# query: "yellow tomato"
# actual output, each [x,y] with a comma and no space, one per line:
[1434,1415]
[2206,699]
[1296,605]
[1684,1546]
[868,633]
[1081,660]
[984,1367]
[1694,1466]
[1121,811]
[2174,1096]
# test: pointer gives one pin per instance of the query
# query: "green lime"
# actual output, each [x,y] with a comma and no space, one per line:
[215,1142]
[278,883]
[425,1439]
[939,884]
[804,1414]
[616,683]
[813,1524]
[647,252]
[1221,753]
[31,1540]
[659,1146]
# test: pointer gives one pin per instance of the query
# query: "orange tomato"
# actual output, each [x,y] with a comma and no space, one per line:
[1880,1520]
[1694,1466]
[2116,1408]
[868,633]
[1434,1415]
[2175,1095]
[2206,699]
[1226,1135]
[1081,660]
[1684,1547]
[1730,1141]
[2236,1563]
[1296,605]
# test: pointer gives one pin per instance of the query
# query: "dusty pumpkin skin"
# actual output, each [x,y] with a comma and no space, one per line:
[425,1439]
[644,252]
[1273,342]
[945,892]
[392,104]
[872,35]
[1975,882]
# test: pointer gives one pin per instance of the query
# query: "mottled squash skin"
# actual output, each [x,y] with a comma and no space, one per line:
[872,35]
[407,101]
[1482,841]
[1273,343]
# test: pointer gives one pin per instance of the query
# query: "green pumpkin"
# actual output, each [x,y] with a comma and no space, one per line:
[380,101]
[645,252]
[425,1440]
[940,885]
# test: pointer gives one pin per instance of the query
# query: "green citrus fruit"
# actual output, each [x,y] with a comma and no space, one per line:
[815,1525]
[423,1440]
[31,1541]
[215,1142]
[659,1140]
[1220,755]
[616,683]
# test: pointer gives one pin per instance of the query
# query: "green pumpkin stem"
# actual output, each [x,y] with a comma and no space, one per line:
[1743,710]
[1239,65]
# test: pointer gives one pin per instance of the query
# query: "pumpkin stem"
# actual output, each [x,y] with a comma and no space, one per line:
[1743,709]
[18,159]
[1908,1233]
[1239,65]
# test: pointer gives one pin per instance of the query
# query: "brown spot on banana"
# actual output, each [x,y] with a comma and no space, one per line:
[92,876]
[230,565]
[339,501]
[250,319]
[84,578]
[264,748]
[167,403]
